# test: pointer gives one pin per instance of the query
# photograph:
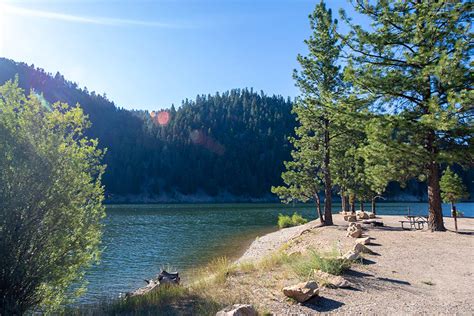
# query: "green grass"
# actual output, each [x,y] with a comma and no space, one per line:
[304,266]
[289,221]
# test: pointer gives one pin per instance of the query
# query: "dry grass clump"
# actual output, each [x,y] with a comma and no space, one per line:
[305,265]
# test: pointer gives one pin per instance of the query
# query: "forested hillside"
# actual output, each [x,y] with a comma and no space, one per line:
[228,145]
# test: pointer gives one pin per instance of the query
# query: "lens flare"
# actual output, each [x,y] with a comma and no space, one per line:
[162,117]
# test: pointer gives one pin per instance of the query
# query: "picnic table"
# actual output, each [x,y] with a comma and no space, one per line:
[415,221]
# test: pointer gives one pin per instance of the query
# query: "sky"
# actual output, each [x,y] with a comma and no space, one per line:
[151,54]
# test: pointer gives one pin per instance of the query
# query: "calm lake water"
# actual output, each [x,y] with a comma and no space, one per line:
[141,239]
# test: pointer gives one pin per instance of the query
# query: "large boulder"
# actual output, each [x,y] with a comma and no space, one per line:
[354,230]
[302,292]
[349,217]
[331,280]
[238,310]
[362,215]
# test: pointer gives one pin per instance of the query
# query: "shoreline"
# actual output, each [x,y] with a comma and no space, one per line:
[414,271]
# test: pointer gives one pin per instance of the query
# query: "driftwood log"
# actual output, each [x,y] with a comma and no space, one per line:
[163,278]
[168,278]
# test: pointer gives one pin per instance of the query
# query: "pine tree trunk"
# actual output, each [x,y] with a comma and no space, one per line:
[455,216]
[373,206]
[352,199]
[327,178]
[362,205]
[435,219]
[346,203]
[343,202]
[318,208]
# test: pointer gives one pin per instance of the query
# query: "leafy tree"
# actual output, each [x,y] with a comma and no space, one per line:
[320,82]
[50,201]
[414,66]
[452,190]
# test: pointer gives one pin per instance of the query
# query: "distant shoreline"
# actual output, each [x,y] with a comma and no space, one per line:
[139,199]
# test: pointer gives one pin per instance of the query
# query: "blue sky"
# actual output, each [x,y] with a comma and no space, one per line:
[150,54]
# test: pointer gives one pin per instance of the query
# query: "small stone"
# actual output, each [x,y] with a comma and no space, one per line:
[333,280]
[302,292]
[371,215]
[238,310]
[360,248]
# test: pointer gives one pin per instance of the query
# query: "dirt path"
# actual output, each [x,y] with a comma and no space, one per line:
[415,272]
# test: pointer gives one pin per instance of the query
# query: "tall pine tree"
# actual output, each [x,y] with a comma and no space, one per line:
[414,64]
[320,82]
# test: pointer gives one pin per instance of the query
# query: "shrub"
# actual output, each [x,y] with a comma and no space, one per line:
[287,221]
[50,202]
[305,265]
[297,219]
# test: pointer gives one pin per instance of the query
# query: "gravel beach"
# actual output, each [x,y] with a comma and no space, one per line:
[413,272]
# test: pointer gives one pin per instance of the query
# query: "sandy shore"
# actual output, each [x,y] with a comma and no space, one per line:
[415,272]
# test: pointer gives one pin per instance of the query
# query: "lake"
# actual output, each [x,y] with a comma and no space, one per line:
[139,240]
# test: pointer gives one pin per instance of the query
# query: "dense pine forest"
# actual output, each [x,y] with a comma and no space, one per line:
[226,146]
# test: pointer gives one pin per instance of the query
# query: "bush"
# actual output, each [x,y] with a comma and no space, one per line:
[329,263]
[50,202]
[297,219]
[287,221]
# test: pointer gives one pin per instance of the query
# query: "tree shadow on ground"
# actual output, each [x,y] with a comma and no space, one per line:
[322,304]
[463,232]
[394,281]
[388,228]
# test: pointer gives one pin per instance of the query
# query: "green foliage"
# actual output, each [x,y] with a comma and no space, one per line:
[452,187]
[144,157]
[50,201]
[287,221]
[317,112]
[305,265]
[413,65]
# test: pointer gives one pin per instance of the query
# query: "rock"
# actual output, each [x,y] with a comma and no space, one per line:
[371,215]
[332,280]
[363,240]
[358,225]
[350,217]
[360,248]
[302,292]
[350,255]
[362,215]
[238,310]
[354,230]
